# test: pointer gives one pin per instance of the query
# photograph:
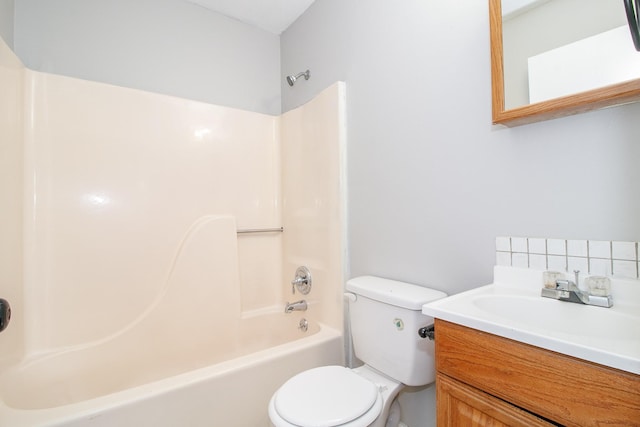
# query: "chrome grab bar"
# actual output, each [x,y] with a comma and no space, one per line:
[260,230]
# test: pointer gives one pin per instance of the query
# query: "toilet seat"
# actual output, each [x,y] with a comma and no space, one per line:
[329,396]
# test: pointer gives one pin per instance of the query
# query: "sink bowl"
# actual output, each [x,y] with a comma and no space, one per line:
[512,307]
[561,317]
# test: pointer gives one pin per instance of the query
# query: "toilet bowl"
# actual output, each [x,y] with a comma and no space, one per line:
[385,317]
[334,396]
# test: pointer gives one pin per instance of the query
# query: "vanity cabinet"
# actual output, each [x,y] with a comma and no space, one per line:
[486,380]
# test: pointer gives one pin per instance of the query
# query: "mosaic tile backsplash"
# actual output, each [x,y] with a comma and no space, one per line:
[593,257]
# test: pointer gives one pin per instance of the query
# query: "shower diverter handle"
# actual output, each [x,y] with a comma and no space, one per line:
[302,281]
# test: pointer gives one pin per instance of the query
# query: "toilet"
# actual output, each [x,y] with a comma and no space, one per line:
[384,316]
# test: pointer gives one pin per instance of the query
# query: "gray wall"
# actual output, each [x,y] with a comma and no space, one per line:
[166,46]
[431,181]
[6,21]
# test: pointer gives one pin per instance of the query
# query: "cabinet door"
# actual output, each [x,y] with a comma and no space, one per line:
[461,405]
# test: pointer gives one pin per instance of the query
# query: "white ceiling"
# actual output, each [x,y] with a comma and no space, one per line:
[274,16]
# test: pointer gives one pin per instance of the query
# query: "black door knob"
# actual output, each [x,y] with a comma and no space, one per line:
[5,314]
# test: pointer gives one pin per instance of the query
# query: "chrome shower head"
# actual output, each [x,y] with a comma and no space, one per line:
[292,79]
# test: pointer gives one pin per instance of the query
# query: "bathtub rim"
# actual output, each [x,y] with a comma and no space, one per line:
[59,415]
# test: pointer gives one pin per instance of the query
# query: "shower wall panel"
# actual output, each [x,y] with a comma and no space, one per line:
[313,191]
[118,176]
[11,170]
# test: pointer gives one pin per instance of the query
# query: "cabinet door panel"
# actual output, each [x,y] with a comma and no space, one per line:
[461,405]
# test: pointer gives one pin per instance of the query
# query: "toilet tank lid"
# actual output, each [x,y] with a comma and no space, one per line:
[393,292]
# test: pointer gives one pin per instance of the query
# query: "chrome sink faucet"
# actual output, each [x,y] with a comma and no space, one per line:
[295,306]
[567,290]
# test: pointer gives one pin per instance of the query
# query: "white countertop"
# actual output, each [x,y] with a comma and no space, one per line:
[512,307]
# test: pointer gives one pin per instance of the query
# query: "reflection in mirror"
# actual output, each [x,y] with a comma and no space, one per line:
[552,58]
[561,30]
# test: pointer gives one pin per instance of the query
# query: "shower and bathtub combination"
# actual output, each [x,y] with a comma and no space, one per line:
[137,298]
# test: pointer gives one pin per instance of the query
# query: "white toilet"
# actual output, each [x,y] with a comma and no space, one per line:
[385,316]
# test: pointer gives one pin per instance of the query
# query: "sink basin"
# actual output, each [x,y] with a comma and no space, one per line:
[512,307]
[561,317]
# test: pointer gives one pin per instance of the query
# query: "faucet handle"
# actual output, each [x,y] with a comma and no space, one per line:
[302,281]
[598,285]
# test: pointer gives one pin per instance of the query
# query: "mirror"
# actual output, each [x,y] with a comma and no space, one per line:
[533,50]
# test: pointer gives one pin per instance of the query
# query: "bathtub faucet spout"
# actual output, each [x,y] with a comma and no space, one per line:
[295,306]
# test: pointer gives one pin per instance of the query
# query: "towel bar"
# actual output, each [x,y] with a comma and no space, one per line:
[260,230]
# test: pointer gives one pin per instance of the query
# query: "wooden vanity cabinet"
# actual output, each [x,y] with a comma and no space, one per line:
[486,380]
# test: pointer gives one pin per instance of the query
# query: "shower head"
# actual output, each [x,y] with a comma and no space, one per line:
[292,79]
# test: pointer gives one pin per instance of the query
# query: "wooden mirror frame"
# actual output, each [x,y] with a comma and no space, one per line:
[620,93]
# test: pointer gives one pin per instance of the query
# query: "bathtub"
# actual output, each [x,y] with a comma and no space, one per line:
[227,384]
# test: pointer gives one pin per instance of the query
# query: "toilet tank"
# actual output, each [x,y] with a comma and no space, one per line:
[385,316]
